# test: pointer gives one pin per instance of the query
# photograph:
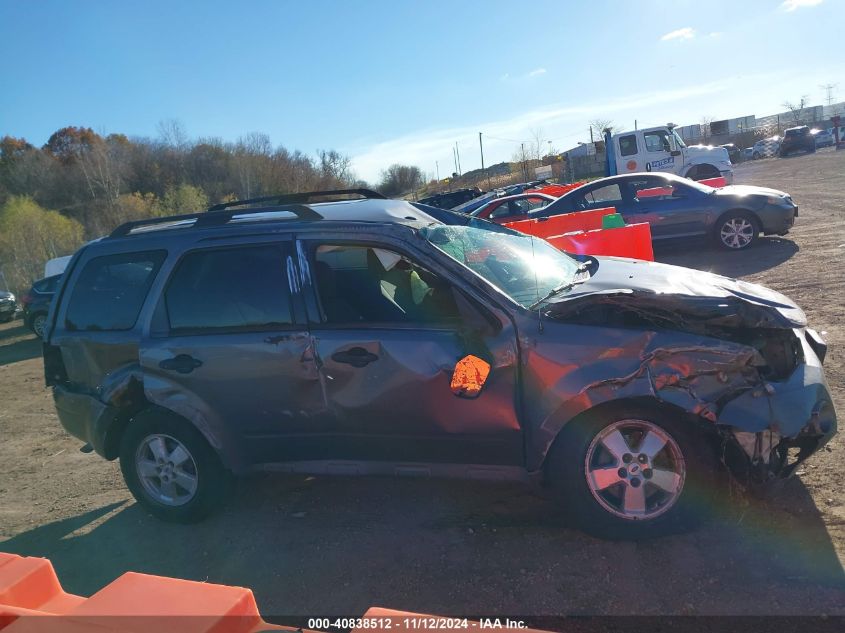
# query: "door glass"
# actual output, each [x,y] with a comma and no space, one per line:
[236,289]
[364,284]
[502,211]
[609,194]
[111,290]
[657,141]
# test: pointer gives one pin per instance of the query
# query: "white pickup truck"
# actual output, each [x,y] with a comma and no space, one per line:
[662,149]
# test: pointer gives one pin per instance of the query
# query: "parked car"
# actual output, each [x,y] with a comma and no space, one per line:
[823,138]
[675,207]
[512,208]
[36,303]
[365,337]
[766,148]
[451,199]
[8,306]
[733,152]
[797,139]
[748,153]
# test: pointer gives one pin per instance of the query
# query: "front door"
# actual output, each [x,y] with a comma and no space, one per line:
[388,331]
[670,207]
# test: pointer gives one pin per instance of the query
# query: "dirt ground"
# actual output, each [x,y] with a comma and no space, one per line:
[320,546]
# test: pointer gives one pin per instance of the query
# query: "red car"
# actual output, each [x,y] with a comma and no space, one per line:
[513,208]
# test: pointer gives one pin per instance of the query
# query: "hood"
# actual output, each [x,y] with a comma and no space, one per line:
[691,152]
[663,292]
[749,190]
[4,294]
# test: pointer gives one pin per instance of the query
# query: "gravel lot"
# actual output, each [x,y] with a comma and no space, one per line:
[337,546]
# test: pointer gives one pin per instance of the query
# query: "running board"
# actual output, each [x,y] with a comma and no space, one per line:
[481,472]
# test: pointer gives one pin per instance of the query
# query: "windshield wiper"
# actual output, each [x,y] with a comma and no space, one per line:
[561,288]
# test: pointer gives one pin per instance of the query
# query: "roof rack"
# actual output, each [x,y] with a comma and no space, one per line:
[302,198]
[204,219]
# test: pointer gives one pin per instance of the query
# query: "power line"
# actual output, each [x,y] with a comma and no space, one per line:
[829,88]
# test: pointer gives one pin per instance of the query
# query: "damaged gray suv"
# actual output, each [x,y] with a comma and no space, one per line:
[375,336]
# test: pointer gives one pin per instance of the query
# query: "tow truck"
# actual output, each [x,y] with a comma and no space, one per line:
[662,149]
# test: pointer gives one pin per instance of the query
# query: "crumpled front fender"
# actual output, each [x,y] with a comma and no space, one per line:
[697,374]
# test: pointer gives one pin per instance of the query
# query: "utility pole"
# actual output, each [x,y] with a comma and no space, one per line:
[524,173]
[829,88]
[591,134]
[437,168]
[455,158]
[458,154]
[635,125]
[483,171]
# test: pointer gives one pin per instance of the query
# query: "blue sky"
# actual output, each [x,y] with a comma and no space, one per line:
[400,81]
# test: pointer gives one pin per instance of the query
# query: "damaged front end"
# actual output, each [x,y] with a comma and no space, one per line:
[751,368]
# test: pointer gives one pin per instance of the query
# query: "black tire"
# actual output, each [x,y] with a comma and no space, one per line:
[739,219]
[755,156]
[213,481]
[567,466]
[6,319]
[703,172]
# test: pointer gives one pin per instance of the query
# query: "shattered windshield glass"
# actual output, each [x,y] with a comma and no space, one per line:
[525,268]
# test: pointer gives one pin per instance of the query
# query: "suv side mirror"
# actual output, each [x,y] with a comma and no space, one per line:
[675,152]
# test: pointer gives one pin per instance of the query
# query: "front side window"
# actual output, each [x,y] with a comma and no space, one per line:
[628,145]
[657,141]
[503,210]
[368,284]
[111,290]
[609,194]
[235,289]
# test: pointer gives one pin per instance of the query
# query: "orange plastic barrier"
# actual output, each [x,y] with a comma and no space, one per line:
[632,240]
[555,190]
[564,223]
[717,182]
[655,192]
[29,587]
[139,603]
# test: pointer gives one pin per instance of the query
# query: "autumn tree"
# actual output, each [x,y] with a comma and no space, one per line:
[31,235]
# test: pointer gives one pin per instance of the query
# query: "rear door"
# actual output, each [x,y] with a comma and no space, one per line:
[389,329]
[229,350]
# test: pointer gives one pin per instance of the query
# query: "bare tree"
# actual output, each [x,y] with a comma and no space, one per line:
[600,125]
[797,109]
[705,126]
[399,179]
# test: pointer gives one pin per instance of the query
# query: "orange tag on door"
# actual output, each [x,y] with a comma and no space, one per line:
[469,377]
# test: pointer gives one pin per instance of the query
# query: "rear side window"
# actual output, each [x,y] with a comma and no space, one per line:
[111,290]
[628,145]
[238,289]
[47,285]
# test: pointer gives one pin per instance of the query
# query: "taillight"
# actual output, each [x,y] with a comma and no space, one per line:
[54,366]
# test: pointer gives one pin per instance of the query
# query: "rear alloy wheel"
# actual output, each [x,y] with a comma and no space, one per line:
[632,472]
[736,231]
[38,324]
[170,468]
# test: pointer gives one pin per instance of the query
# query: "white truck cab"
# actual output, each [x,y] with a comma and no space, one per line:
[662,149]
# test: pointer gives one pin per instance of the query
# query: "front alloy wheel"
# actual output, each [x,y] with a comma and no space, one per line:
[634,469]
[737,232]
